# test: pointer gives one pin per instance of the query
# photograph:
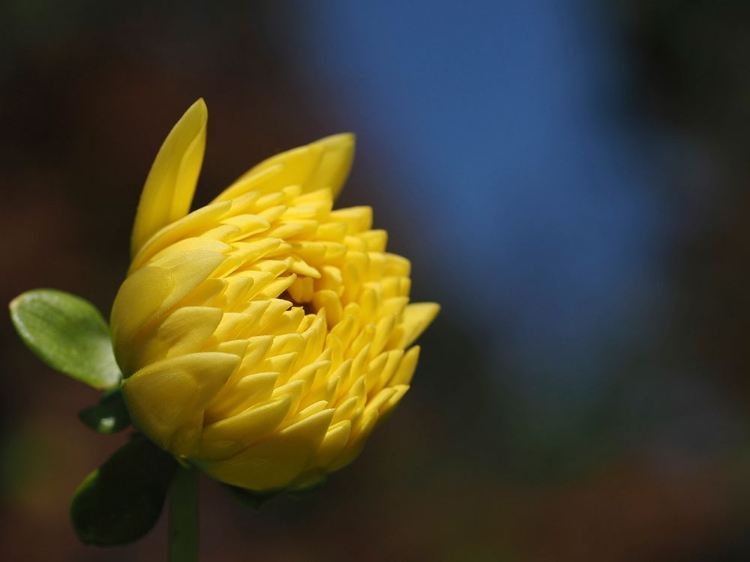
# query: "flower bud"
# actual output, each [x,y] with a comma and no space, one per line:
[265,335]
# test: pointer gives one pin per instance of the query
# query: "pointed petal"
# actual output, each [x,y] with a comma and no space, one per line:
[322,164]
[194,224]
[235,398]
[186,330]
[335,163]
[166,398]
[415,319]
[246,428]
[406,368]
[170,185]
[333,443]
[275,462]
[359,434]
[149,292]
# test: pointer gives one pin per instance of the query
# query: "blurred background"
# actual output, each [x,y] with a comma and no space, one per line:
[569,180]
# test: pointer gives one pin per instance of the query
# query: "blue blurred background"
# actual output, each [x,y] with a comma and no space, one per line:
[569,180]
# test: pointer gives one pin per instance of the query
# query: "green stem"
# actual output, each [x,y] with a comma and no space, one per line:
[183,516]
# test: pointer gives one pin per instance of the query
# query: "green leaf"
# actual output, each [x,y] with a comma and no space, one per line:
[110,415]
[69,334]
[122,500]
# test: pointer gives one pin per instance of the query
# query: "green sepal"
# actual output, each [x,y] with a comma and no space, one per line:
[307,491]
[249,498]
[122,500]
[255,500]
[110,415]
[69,334]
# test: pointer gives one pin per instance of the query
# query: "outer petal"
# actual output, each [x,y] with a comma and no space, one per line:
[166,399]
[149,292]
[322,164]
[415,320]
[275,462]
[335,163]
[170,185]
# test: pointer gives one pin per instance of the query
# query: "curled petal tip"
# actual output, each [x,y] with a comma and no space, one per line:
[335,163]
[169,188]
[342,140]
[323,164]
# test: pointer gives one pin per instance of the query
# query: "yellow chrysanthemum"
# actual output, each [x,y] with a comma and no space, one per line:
[263,336]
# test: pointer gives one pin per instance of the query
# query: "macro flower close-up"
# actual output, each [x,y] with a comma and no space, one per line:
[263,336]
[507,324]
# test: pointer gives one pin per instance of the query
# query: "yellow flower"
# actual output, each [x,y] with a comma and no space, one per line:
[263,336]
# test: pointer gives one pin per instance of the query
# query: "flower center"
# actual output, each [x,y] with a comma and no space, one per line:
[307,306]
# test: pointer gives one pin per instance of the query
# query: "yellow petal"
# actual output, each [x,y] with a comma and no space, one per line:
[347,410]
[329,302]
[168,395]
[382,398]
[322,164]
[333,443]
[249,426]
[385,409]
[275,462]
[381,370]
[406,368]
[187,329]
[359,434]
[414,321]
[139,298]
[170,185]
[358,219]
[334,165]
[150,291]
[248,392]
[189,226]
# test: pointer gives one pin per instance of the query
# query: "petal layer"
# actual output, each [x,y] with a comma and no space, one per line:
[168,397]
[170,185]
[322,164]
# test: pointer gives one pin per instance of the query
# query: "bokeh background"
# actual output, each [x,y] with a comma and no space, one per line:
[569,179]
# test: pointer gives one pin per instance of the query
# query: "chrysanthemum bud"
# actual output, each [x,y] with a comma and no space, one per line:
[263,336]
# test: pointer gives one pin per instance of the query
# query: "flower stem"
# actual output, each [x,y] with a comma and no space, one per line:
[183,516]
